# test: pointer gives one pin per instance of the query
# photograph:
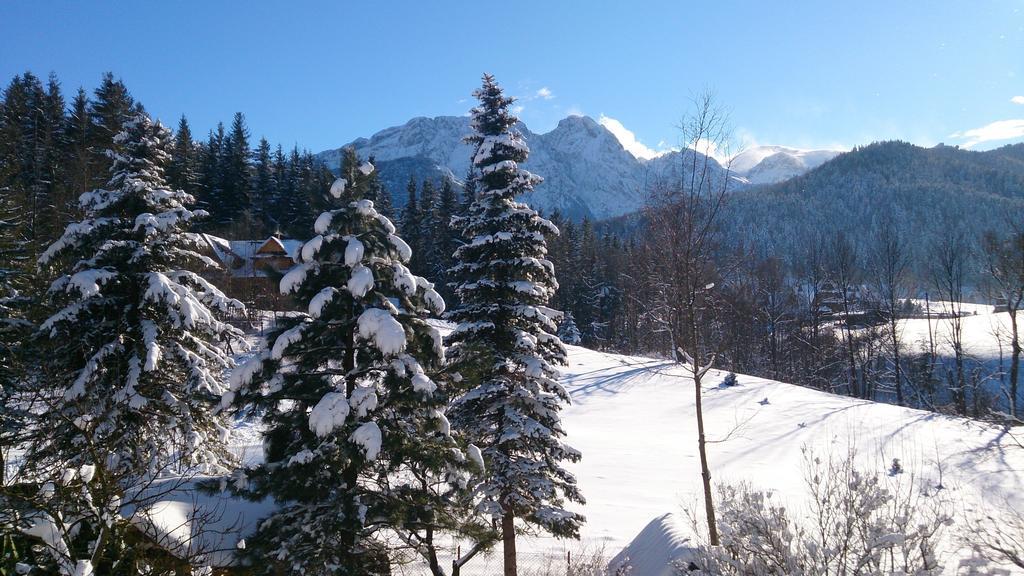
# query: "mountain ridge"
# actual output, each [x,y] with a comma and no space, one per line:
[588,172]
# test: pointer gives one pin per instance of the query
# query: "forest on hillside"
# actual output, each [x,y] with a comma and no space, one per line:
[854,243]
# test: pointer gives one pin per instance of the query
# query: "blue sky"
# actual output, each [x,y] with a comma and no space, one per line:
[805,74]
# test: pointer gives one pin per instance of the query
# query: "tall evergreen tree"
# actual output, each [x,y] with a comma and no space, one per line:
[468,190]
[26,129]
[354,423]
[134,352]
[78,137]
[427,252]
[13,324]
[296,204]
[182,171]
[111,105]
[264,188]
[17,164]
[446,237]
[210,186]
[278,200]
[58,202]
[505,345]
[235,204]
[412,220]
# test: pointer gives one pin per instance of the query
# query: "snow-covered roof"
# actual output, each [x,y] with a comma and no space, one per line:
[242,257]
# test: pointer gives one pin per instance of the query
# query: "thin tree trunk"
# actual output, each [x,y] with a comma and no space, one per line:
[435,567]
[896,357]
[508,539]
[931,340]
[705,470]
[852,361]
[1014,362]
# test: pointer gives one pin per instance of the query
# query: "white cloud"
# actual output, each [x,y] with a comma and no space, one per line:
[628,139]
[517,110]
[998,130]
[545,93]
[709,148]
[1017,100]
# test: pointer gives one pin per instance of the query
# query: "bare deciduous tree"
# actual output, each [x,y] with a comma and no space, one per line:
[890,260]
[1004,265]
[845,273]
[949,274]
[683,232]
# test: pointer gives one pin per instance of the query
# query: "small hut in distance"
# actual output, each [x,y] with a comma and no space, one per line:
[250,269]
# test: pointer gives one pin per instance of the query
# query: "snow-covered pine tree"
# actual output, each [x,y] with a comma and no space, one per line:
[360,178]
[133,347]
[380,195]
[111,105]
[568,332]
[355,426]
[505,345]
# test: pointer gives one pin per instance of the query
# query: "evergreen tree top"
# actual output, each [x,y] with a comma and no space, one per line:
[491,117]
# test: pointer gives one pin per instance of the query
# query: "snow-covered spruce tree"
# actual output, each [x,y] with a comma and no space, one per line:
[505,346]
[134,353]
[568,332]
[356,438]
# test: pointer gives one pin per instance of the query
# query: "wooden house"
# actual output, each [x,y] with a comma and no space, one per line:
[250,269]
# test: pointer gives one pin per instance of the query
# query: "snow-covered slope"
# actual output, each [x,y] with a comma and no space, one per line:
[771,164]
[633,419]
[587,171]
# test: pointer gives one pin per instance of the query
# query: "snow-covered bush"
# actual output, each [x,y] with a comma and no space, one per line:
[857,523]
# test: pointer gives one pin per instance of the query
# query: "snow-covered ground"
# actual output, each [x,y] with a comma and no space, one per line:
[985,332]
[633,419]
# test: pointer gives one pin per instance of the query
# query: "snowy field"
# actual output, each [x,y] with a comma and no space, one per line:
[633,419]
[986,334]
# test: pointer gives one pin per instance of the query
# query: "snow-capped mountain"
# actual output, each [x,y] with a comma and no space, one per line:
[772,164]
[587,171]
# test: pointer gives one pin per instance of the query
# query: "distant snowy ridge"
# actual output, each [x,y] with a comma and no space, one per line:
[772,164]
[587,170]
